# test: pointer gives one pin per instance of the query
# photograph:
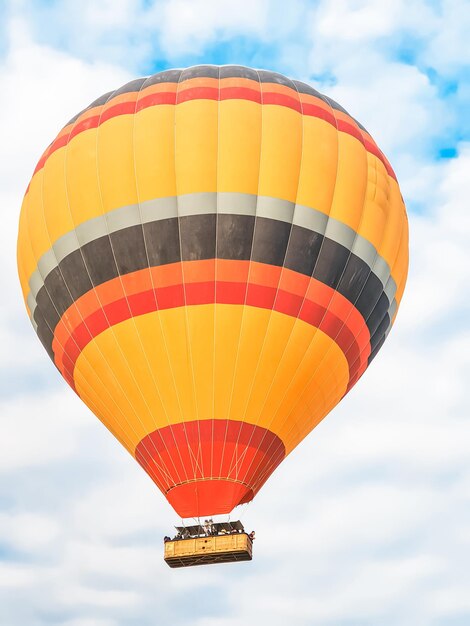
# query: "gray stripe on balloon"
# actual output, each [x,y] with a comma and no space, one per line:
[209,203]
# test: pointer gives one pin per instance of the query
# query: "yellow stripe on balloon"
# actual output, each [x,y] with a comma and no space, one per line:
[272,374]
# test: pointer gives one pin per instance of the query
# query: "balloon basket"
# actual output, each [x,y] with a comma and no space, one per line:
[197,545]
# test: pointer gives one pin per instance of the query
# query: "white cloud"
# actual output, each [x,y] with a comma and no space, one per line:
[186,26]
[395,102]
[41,428]
[355,46]
[90,622]
[448,49]
[42,89]
[28,532]
[16,577]
[440,266]
[357,21]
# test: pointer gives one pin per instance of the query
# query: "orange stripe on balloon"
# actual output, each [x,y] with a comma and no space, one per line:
[120,299]
[206,88]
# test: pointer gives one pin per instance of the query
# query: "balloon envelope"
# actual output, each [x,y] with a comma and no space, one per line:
[212,257]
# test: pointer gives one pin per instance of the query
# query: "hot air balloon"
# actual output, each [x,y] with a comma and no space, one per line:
[212,257]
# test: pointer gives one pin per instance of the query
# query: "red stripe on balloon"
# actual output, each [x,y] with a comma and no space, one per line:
[213,93]
[197,93]
[89,122]
[162,97]
[108,304]
[349,129]
[240,93]
[123,108]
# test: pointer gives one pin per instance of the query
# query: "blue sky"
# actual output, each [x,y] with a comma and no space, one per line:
[380,492]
